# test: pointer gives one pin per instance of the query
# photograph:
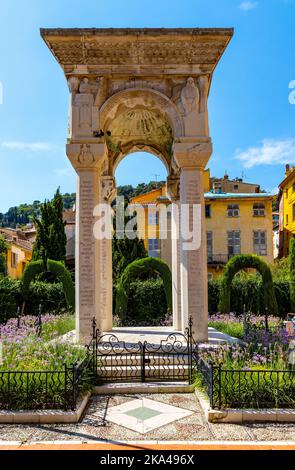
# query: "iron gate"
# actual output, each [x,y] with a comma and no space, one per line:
[119,361]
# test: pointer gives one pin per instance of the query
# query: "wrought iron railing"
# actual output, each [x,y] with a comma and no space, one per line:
[45,389]
[243,388]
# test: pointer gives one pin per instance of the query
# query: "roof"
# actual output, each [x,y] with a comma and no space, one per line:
[210,195]
[288,178]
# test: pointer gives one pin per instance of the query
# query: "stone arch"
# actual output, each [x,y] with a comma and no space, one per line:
[236,264]
[137,268]
[145,97]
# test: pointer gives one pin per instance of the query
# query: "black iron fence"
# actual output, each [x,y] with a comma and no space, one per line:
[119,361]
[45,389]
[243,388]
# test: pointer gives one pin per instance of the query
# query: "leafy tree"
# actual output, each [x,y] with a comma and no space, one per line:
[3,255]
[126,250]
[51,238]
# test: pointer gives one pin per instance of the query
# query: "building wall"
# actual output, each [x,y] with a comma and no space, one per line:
[17,259]
[219,224]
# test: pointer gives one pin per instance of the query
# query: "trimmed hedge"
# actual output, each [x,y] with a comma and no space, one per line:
[60,272]
[238,263]
[147,301]
[249,292]
[138,269]
[49,295]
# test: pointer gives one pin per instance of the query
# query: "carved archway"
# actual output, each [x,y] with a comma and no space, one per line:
[138,89]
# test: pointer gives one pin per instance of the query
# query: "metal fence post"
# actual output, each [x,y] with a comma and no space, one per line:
[142,348]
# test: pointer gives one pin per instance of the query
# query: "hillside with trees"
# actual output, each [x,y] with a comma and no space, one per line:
[26,213]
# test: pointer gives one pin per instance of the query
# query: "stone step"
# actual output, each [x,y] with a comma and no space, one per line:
[150,372]
[143,387]
[122,360]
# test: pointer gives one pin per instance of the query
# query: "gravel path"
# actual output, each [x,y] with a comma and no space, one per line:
[192,428]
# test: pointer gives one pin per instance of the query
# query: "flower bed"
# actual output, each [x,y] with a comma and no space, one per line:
[40,371]
[252,374]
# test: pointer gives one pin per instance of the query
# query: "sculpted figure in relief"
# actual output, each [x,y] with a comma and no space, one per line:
[86,157]
[190,96]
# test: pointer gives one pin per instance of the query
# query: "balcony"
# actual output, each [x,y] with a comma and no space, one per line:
[217,259]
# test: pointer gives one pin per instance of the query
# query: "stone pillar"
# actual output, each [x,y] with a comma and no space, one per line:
[92,255]
[192,157]
[173,194]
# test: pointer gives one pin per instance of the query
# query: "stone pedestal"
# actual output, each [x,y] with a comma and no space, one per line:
[192,158]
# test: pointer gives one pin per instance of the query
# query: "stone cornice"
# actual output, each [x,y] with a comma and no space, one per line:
[86,157]
[137,47]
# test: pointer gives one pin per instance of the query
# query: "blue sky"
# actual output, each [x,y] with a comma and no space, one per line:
[251,118]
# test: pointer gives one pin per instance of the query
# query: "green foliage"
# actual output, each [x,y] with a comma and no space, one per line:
[58,269]
[281,269]
[126,250]
[49,295]
[32,270]
[238,263]
[292,273]
[64,276]
[147,301]
[249,292]
[142,269]
[3,255]
[234,329]
[51,238]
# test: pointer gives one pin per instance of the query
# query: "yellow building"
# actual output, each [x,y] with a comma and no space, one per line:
[286,210]
[146,206]
[236,222]
[19,254]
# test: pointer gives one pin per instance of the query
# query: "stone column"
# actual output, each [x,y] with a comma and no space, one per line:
[90,261]
[173,194]
[192,157]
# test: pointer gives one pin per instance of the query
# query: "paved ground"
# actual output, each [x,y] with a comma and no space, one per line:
[190,428]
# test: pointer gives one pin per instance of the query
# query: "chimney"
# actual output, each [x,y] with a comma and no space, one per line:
[287,170]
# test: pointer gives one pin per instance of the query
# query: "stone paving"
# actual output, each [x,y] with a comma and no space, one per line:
[193,427]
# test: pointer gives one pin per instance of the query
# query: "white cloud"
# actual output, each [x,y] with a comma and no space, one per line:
[248,5]
[32,146]
[269,152]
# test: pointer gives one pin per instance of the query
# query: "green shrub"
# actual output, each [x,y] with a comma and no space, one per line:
[141,269]
[147,301]
[249,292]
[49,295]
[238,263]
[292,273]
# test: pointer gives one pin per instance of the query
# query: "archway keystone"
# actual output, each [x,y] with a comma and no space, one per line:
[136,89]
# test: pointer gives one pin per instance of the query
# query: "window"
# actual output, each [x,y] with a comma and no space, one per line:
[258,210]
[209,238]
[153,247]
[153,217]
[208,211]
[233,210]
[236,187]
[259,242]
[233,242]
[13,260]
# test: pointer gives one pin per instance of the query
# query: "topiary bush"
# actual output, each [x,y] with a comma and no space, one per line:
[60,272]
[238,263]
[50,296]
[141,269]
[147,301]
